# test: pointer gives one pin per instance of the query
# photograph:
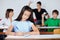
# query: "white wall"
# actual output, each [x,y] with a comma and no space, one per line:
[49,5]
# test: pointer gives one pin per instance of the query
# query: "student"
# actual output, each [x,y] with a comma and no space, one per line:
[8,18]
[52,22]
[23,24]
[38,12]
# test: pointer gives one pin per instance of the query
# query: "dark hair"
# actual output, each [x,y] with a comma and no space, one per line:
[56,12]
[7,12]
[22,12]
[39,2]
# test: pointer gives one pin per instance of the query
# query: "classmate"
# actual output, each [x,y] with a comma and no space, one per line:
[52,22]
[8,18]
[23,24]
[38,12]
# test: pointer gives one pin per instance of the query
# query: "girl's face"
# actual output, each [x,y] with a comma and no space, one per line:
[55,15]
[26,15]
[11,14]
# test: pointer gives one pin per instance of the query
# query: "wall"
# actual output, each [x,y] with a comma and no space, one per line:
[49,5]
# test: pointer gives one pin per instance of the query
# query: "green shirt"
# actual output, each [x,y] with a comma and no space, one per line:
[52,23]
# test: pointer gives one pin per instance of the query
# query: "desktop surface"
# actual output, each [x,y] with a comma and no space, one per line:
[34,37]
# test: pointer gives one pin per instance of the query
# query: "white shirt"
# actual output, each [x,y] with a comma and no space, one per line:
[5,22]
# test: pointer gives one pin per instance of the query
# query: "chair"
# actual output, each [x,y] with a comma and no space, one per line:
[56,31]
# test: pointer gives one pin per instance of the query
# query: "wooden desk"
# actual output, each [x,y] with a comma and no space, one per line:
[43,32]
[34,37]
[2,33]
[5,27]
[40,33]
[46,33]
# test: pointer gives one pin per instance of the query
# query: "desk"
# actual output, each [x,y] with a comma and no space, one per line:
[48,27]
[34,37]
[3,27]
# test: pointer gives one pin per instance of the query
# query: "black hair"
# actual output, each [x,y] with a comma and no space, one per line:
[22,12]
[7,12]
[39,2]
[56,12]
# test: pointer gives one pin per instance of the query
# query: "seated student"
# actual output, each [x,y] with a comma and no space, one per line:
[52,22]
[23,24]
[8,18]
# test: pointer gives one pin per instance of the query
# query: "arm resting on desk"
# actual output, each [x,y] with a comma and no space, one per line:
[34,32]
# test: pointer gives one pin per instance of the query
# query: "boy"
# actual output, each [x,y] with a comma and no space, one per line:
[51,22]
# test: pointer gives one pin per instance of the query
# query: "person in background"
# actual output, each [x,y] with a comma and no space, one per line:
[38,13]
[23,23]
[8,18]
[51,22]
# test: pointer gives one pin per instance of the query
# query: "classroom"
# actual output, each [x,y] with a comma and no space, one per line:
[29,19]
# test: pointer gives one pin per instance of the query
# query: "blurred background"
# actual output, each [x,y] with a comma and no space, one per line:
[49,5]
